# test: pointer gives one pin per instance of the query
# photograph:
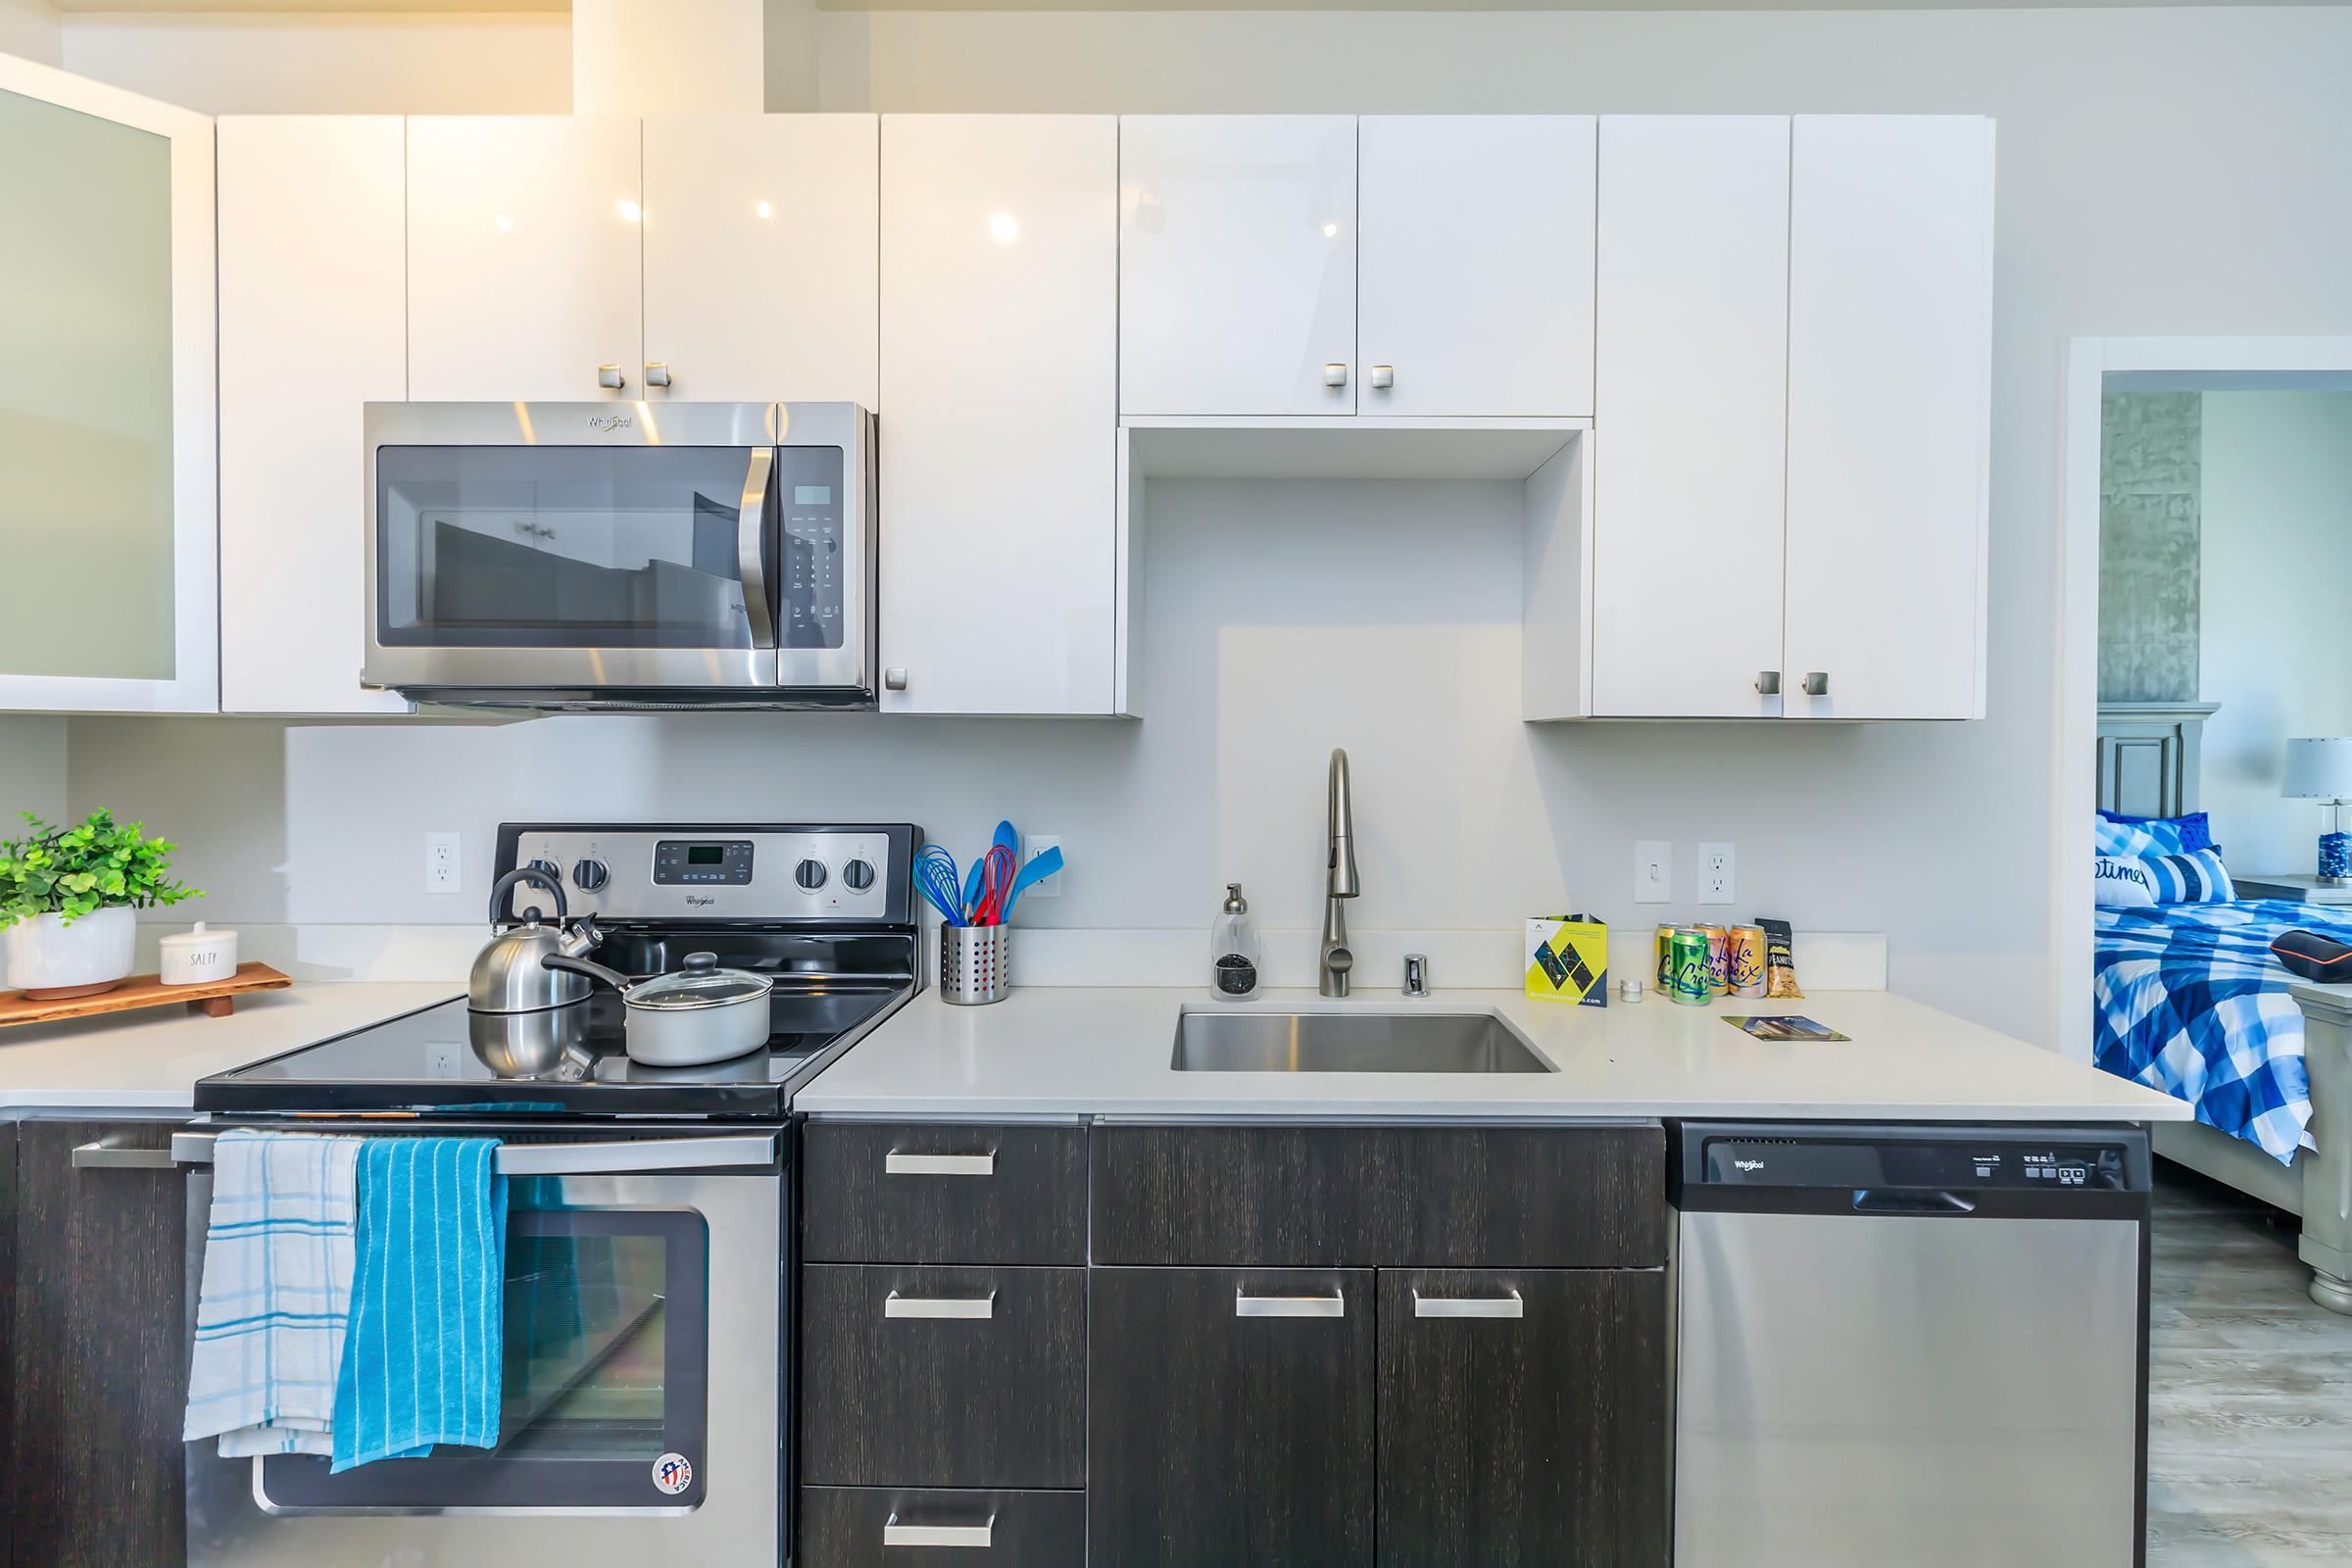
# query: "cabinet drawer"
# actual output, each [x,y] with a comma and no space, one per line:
[905,1527]
[1421,1196]
[938,1193]
[943,1377]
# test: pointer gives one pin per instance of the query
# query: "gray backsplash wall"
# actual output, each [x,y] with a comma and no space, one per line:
[2149,462]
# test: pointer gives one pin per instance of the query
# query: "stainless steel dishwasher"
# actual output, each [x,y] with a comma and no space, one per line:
[1924,1346]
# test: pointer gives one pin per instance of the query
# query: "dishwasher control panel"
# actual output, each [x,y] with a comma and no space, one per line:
[1942,1163]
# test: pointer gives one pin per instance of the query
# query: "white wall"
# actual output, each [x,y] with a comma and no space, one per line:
[32,771]
[2277,635]
[358,62]
[31,28]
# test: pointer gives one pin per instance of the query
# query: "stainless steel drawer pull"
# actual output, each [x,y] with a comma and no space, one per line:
[895,1163]
[1333,1305]
[896,1305]
[895,1534]
[1468,1306]
[105,1156]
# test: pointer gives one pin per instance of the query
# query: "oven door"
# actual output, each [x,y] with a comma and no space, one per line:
[641,1407]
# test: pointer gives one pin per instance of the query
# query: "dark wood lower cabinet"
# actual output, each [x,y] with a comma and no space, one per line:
[1512,1441]
[1220,1437]
[97,1363]
[901,1527]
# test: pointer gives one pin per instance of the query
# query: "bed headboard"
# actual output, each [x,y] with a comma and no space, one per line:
[2149,756]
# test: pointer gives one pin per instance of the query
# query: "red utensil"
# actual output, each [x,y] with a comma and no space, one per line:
[997,872]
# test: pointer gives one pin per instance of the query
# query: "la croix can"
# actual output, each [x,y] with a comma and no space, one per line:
[1666,956]
[1692,987]
[1747,960]
[1719,959]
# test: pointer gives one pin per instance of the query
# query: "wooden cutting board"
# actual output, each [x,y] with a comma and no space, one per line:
[215,998]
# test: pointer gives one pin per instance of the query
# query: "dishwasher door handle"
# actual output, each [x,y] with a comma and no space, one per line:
[1871,1200]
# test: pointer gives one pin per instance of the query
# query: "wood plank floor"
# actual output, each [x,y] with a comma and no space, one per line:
[2249,1390]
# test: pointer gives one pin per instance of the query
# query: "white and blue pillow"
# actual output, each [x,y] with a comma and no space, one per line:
[2116,834]
[2143,881]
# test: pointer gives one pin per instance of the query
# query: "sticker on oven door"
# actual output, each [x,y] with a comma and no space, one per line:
[673,1472]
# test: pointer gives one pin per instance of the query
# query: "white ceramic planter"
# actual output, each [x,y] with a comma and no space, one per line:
[48,959]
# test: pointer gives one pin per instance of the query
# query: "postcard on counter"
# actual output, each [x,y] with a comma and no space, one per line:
[1785,1026]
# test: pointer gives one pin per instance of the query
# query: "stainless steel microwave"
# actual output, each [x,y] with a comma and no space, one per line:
[621,554]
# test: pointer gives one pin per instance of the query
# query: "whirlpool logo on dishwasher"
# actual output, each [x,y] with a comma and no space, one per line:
[1747,1165]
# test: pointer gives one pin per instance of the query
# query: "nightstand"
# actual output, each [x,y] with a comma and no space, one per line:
[2302,887]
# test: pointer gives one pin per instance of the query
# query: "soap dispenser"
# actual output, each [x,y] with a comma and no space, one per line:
[1233,947]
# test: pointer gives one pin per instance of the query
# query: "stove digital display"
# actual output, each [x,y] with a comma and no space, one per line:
[721,862]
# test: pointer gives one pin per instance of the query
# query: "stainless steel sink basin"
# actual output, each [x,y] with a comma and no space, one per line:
[1350,1042]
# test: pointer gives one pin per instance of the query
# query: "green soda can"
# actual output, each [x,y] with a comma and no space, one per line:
[1692,985]
[1665,958]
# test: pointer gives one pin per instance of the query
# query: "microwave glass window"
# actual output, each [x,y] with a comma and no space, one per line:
[560,547]
[811,584]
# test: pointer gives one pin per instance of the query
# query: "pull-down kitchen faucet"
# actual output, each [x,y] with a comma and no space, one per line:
[1330,973]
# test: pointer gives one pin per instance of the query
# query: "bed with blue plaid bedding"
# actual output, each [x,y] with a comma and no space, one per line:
[2190,1003]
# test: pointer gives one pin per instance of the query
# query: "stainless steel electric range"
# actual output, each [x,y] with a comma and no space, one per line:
[646,1367]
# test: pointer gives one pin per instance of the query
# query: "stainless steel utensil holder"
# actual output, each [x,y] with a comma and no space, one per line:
[972,964]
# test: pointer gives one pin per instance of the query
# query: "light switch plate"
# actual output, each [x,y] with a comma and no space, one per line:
[1654,872]
[1716,864]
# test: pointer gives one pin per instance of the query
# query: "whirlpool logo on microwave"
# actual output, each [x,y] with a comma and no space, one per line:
[612,421]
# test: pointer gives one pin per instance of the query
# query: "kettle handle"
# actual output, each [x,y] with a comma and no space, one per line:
[594,971]
[516,878]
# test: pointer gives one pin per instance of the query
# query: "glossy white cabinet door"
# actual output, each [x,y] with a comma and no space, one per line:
[1474,264]
[525,259]
[760,270]
[1237,264]
[313,324]
[1000,370]
[1689,423]
[1889,348]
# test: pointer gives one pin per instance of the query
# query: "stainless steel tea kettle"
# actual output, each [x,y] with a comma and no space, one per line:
[510,973]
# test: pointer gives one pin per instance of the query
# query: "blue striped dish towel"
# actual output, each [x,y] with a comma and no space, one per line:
[424,1359]
[276,1289]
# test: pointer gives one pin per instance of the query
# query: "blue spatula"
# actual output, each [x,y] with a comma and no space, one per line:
[1037,871]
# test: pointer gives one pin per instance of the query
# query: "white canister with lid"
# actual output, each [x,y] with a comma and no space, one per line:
[193,957]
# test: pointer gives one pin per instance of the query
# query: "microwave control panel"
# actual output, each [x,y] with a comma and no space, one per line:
[808,504]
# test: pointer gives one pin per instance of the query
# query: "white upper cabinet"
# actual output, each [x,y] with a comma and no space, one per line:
[108,544]
[1689,423]
[1237,265]
[1474,270]
[1890,348]
[1000,370]
[312,325]
[760,271]
[525,258]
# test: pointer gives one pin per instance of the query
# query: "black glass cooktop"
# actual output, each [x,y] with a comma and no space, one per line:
[565,1062]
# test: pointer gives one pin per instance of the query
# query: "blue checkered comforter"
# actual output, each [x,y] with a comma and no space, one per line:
[2191,1001]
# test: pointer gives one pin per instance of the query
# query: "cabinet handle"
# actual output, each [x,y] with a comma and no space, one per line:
[1817,684]
[1335,374]
[1768,683]
[1384,376]
[105,1156]
[657,374]
[1333,1305]
[895,1163]
[940,1307]
[1468,1306]
[894,680]
[895,1534]
[608,377]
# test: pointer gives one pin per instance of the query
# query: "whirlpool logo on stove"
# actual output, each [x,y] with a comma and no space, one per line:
[699,901]
[612,421]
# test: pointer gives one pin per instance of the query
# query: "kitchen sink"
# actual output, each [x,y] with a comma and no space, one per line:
[1350,1042]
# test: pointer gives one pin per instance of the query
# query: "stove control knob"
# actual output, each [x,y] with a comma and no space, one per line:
[548,869]
[589,875]
[810,874]
[858,875]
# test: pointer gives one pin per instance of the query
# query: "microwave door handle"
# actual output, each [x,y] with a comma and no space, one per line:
[751,546]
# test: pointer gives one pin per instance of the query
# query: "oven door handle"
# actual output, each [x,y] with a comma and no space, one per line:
[751,546]
[616,1157]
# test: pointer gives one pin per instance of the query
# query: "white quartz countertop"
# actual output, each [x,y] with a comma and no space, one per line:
[150,1058]
[1075,1051]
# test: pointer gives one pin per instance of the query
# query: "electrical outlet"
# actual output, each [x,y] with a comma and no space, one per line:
[1654,872]
[1034,845]
[443,866]
[1715,865]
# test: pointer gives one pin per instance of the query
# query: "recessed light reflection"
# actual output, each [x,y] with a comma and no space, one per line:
[763,209]
[506,224]
[1331,230]
[1004,229]
[629,211]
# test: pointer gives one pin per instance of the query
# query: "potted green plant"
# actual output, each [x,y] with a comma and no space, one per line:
[66,899]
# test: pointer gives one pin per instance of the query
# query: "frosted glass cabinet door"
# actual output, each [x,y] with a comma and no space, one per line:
[1474,270]
[1890,365]
[107,501]
[1237,265]
[999,368]
[1689,423]
[759,259]
[526,258]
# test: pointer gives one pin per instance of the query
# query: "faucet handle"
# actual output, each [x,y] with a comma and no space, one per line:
[1416,974]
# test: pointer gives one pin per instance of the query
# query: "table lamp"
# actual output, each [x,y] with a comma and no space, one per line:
[2321,769]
